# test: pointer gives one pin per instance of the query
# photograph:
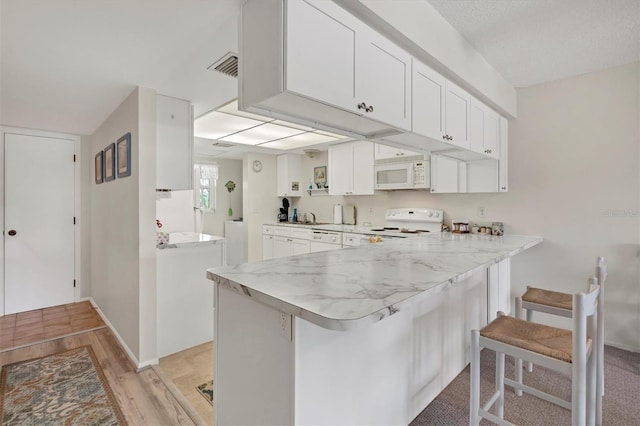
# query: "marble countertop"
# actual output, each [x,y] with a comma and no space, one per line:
[344,289]
[189,239]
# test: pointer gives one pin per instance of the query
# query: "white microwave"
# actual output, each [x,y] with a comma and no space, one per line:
[414,174]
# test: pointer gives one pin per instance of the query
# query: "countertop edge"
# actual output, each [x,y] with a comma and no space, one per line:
[345,324]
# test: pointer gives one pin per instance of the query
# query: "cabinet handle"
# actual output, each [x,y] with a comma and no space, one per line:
[504,188]
[445,137]
[450,138]
[369,108]
[362,105]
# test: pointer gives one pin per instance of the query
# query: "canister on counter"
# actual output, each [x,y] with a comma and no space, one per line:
[497,228]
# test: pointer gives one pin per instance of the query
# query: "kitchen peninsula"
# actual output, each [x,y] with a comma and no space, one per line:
[363,335]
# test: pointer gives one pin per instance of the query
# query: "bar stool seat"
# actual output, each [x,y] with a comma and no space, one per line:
[545,297]
[543,339]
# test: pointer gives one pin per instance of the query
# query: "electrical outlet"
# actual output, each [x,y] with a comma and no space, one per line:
[481,211]
[284,325]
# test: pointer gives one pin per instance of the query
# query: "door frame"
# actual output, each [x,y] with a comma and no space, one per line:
[77,208]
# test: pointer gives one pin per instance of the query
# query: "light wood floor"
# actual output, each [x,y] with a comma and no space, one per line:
[188,369]
[143,397]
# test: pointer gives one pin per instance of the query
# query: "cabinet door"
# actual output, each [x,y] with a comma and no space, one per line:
[288,175]
[281,247]
[362,168]
[340,169]
[267,247]
[428,97]
[299,246]
[383,152]
[503,163]
[444,174]
[383,73]
[491,145]
[321,37]
[174,166]
[476,126]
[457,109]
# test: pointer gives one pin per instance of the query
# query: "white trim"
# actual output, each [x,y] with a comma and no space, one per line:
[77,208]
[139,365]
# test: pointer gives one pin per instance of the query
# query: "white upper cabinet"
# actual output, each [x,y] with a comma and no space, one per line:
[316,64]
[321,52]
[428,101]
[350,168]
[440,113]
[383,80]
[289,175]
[456,116]
[174,143]
[385,152]
[484,129]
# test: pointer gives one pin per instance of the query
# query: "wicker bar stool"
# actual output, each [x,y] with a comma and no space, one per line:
[568,351]
[556,303]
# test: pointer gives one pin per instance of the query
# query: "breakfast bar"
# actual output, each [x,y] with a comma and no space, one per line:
[363,335]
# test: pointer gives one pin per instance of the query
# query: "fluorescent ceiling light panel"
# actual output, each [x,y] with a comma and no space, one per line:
[298,141]
[261,134]
[216,125]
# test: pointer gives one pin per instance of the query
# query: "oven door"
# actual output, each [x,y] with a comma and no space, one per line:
[393,176]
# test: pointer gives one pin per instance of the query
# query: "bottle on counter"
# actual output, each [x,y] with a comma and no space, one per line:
[294,218]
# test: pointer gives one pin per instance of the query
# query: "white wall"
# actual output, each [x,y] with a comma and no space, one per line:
[260,203]
[574,161]
[123,228]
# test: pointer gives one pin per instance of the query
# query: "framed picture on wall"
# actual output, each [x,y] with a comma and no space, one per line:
[320,176]
[123,146]
[98,167]
[110,162]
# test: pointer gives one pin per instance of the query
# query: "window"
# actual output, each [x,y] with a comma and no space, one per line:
[205,178]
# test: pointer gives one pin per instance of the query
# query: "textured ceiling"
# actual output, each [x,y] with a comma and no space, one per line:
[534,41]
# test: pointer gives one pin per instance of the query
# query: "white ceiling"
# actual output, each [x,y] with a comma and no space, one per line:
[534,41]
[67,64]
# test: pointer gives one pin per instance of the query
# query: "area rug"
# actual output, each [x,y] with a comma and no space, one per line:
[65,388]
[206,390]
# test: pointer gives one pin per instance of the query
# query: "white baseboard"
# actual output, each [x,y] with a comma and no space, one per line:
[139,365]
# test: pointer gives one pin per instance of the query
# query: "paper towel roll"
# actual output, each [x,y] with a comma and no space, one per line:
[337,214]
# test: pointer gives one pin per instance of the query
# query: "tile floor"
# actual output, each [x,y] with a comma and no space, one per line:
[39,325]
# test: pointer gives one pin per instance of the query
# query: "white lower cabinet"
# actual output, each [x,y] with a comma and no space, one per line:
[285,246]
[267,247]
[283,241]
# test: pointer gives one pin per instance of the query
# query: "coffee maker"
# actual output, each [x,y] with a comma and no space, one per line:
[283,216]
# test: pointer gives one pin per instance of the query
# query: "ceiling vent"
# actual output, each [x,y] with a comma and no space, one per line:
[227,65]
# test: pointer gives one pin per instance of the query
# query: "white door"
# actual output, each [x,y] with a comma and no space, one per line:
[38,228]
[428,101]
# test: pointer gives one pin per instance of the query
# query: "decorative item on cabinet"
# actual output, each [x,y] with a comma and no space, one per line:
[320,176]
[230,185]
